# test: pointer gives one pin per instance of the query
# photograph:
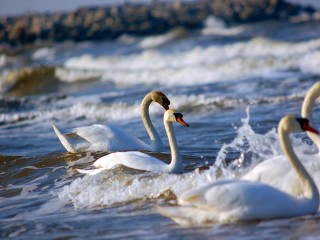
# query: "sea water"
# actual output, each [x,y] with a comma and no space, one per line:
[232,84]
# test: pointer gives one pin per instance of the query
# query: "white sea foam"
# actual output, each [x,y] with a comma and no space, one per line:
[156,41]
[179,101]
[107,188]
[3,60]
[199,65]
[43,53]
[310,63]
[215,26]
[69,75]
[90,107]
[112,112]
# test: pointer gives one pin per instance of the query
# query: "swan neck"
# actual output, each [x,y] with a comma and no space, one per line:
[308,103]
[176,165]
[310,188]
[156,143]
[306,111]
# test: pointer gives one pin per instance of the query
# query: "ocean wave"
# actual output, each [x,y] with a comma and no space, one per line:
[215,26]
[71,108]
[159,40]
[200,100]
[92,108]
[69,75]
[27,80]
[199,65]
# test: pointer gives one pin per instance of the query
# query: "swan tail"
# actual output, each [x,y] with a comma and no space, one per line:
[63,139]
[90,172]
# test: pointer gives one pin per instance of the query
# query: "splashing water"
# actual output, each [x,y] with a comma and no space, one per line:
[111,187]
[250,147]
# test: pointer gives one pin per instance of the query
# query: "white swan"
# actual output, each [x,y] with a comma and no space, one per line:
[277,171]
[111,138]
[237,200]
[141,161]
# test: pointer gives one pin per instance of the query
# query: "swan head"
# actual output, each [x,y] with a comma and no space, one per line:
[160,98]
[292,123]
[172,115]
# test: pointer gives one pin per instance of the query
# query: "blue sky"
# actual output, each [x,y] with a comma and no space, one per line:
[14,7]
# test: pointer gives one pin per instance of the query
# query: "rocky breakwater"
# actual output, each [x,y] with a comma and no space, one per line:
[238,11]
[99,23]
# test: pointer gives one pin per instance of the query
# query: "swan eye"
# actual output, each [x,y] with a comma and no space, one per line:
[305,126]
[178,115]
[303,122]
[165,101]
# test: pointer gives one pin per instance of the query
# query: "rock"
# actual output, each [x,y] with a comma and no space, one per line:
[100,23]
[235,11]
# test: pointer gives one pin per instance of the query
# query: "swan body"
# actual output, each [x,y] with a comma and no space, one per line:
[141,161]
[111,138]
[237,200]
[277,172]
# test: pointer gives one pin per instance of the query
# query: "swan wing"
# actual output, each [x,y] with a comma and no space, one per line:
[98,137]
[230,201]
[277,172]
[132,159]
[269,171]
[109,138]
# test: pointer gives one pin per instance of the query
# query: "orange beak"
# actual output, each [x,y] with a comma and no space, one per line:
[181,121]
[307,127]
